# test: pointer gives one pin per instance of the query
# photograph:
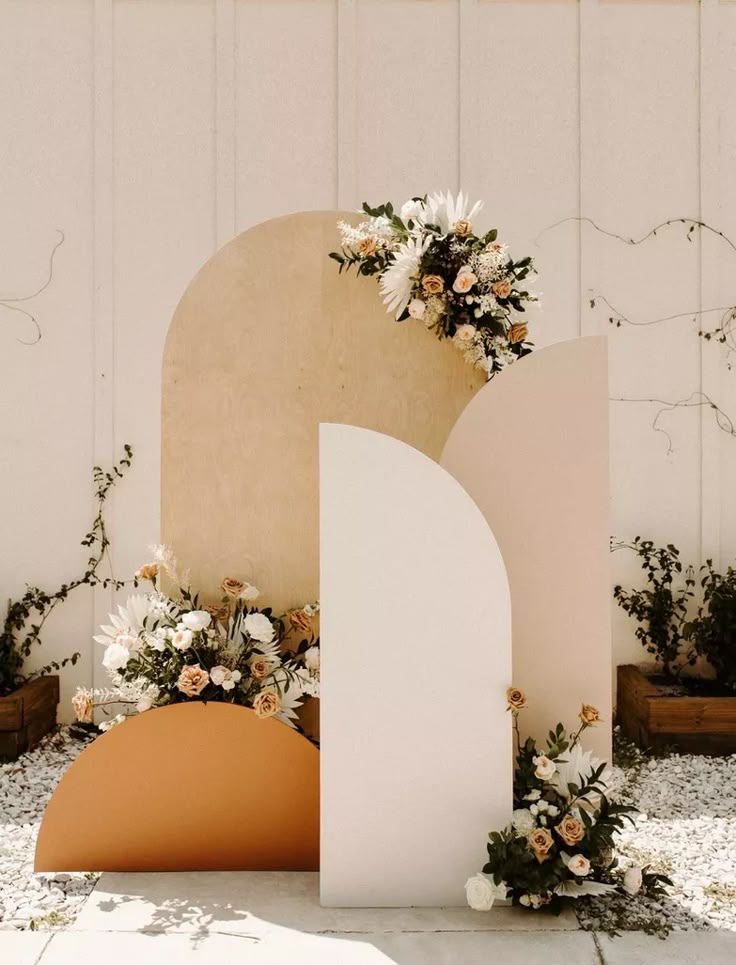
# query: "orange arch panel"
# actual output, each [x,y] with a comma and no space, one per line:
[189,787]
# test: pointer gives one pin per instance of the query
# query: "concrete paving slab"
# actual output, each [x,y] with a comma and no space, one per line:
[289,948]
[482,948]
[688,948]
[262,902]
[22,947]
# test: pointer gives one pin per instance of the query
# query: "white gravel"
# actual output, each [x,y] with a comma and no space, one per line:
[686,829]
[29,900]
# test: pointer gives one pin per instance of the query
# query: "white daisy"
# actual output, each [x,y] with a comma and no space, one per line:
[398,280]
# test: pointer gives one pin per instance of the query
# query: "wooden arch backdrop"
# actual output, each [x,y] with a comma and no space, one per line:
[267,342]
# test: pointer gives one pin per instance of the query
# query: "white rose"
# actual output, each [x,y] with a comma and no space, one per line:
[481,892]
[235,676]
[552,810]
[412,209]
[116,657]
[533,795]
[249,592]
[632,881]
[416,308]
[545,767]
[464,334]
[258,627]
[523,822]
[579,865]
[228,684]
[465,280]
[182,639]
[311,659]
[218,675]
[196,620]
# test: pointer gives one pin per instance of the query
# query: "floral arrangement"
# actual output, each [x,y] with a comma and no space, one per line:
[434,268]
[560,843]
[162,650]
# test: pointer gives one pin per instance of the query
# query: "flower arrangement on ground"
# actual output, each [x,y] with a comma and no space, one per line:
[434,268]
[560,843]
[162,650]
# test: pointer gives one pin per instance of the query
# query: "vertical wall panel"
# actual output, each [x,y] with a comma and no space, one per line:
[164,216]
[286,105]
[46,392]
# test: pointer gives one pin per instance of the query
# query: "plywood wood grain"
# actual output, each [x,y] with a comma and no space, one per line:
[266,343]
[532,450]
[188,787]
[416,659]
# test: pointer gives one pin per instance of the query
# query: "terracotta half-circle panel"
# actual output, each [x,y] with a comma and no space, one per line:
[189,787]
[532,450]
[267,342]
[416,660]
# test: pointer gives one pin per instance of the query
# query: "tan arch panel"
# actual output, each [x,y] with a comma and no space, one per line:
[189,787]
[267,342]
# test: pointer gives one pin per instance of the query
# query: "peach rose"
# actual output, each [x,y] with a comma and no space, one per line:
[83,707]
[147,572]
[192,680]
[465,280]
[219,614]
[570,830]
[367,246]
[232,587]
[515,698]
[267,703]
[260,668]
[462,227]
[433,284]
[540,842]
[300,620]
[518,332]
[589,715]
[502,288]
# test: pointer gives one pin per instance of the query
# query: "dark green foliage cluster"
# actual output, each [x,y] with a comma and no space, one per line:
[713,631]
[660,608]
[26,617]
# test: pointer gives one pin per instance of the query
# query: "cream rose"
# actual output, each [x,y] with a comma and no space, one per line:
[501,288]
[540,842]
[116,657]
[570,830]
[260,668]
[196,620]
[412,210]
[579,865]
[481,892]
[218,675]
[417,307]
[433,284]
[249,593]
[545,768]
[259,627]
[192,680]
[465,280]
[312,659]
[464,334]
[632,881]
[182,639]
[231,680]
[267,703]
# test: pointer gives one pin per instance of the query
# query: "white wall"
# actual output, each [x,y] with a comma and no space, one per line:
[151,131]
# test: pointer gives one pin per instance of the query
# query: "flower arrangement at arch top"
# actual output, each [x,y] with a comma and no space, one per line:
[162,650]
[433,267]
[560,844]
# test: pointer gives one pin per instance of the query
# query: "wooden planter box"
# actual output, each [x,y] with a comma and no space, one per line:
[693,725]
[27,715]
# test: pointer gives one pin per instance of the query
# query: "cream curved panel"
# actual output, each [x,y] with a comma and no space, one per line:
[532,450]
[416,762]
[267,342]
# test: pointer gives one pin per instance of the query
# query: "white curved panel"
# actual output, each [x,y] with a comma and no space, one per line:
[531,448]
[416,762]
